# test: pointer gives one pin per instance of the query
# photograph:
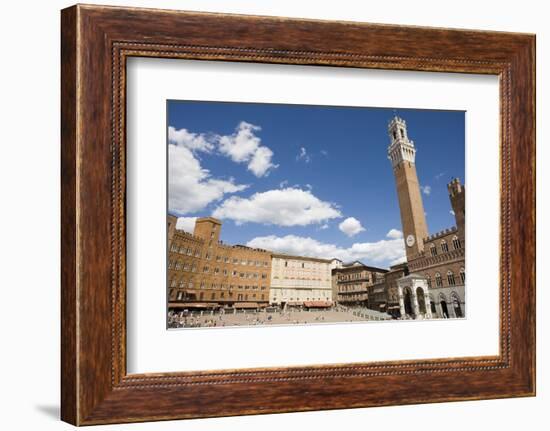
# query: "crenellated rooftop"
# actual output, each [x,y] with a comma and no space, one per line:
[440,234]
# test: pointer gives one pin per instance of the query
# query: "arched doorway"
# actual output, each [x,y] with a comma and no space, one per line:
[456,305]
[444,309]
[432,306]
[407,301]
[421,300]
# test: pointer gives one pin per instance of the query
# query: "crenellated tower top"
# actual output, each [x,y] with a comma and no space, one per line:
[401,148]
[457,195]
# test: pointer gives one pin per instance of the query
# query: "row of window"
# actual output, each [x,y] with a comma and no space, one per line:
[183,284]
[357,296]
[451,279]
[352,288]
[287,292]
[445,247]
[178,265]
[304,265]
[185,250]
[186,266]
[353,276]
[276,277]
[208,256]
[214,296]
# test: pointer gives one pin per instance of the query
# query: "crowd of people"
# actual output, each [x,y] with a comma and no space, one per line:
[222,318]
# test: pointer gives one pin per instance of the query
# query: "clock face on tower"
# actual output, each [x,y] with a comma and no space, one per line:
[410,240]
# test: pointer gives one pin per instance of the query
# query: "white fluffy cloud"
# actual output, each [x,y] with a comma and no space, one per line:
[351,226]
[192,141]
[394,234]
[282,207]
[186,223]
[386,251]
[244,146]
[191,188]
[426,190]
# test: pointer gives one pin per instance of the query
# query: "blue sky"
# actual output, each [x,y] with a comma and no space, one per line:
[286,177]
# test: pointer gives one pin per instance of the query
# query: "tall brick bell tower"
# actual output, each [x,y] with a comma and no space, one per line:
[401,153]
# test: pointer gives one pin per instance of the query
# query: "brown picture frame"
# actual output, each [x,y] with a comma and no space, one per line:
[95,43]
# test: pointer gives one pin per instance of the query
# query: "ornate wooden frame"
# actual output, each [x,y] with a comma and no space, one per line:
[95,43]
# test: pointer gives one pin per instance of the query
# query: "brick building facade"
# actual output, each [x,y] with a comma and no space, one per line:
[205,273]
[352,282]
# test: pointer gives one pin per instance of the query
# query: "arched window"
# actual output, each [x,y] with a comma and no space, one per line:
[462,276]
[433,249]
[444,246]
[456,243]
[438,280]
[182,283]
[429,280]
[451,278]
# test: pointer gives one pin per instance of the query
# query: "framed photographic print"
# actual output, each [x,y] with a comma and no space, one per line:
[280,207]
